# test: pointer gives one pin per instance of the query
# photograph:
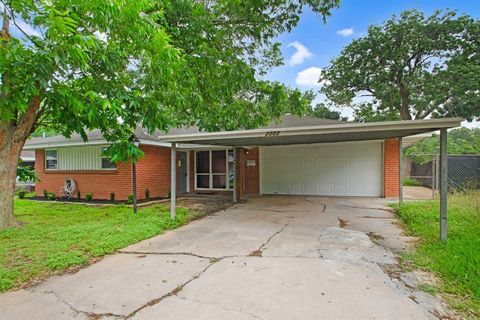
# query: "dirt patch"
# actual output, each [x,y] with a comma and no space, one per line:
[342,223]
[375,237]
[256,253]
[204,205]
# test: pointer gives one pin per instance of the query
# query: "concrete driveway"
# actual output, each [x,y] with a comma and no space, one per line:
[282,257]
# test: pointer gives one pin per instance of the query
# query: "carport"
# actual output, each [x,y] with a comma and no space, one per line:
[328,133]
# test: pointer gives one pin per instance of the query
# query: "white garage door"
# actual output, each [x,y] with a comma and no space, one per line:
[324,169]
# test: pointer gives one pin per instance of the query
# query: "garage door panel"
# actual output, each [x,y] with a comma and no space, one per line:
[326,169]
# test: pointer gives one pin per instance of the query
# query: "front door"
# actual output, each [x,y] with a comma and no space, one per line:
[182,172]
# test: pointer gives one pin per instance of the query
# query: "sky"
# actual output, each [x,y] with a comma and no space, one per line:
[312,44]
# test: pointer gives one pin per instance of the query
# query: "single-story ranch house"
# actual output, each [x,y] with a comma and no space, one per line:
[295,155]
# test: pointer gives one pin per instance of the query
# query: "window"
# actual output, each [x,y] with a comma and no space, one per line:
[106,162]
[51,160]
[211,169]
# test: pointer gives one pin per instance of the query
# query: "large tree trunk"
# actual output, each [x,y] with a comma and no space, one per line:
[13,135]
[404,98]
[9,154]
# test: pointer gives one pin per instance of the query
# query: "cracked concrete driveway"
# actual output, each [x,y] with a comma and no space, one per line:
[274,257]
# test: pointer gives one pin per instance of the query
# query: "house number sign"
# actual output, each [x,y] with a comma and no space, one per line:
[272,133]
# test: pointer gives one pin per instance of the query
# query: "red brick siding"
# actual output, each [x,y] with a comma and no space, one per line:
[252,180]
[153,172]
[391,168]
[240,165]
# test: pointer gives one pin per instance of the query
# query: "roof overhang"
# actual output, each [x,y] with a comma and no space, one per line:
[71,143]
[315,134]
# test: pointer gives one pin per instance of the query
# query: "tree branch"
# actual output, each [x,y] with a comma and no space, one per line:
[8,11]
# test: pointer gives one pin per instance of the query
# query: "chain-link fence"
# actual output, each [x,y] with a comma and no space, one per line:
[423,170]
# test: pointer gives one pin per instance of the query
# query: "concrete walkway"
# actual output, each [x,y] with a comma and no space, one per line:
[270,258]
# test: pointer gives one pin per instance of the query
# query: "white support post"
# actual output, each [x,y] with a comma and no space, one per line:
[173,181]
[443,184]
[234,174]
[400,169]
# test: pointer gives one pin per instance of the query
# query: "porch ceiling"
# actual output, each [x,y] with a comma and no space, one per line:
[316,134]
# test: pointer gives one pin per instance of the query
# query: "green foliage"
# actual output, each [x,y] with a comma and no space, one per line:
[460,141]
[322,111]
[88,196]
[57,236]
[411,182]
[22,193]
[51,196]
[25,173]
[457,261]
[130,199]
[178,63]
[411,67]
[112,196]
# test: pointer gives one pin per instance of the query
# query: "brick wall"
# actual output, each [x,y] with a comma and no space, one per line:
[252,180]
[391,168]
[153,172]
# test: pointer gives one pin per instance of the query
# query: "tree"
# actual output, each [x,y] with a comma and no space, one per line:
[113,64]
[411,67]
[322,111]
[460,141]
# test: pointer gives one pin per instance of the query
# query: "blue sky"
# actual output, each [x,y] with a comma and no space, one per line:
[312,44]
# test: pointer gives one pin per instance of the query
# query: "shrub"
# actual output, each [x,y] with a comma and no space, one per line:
[88,196]
[147,194]
[45,193]
[21,193]
[130,199]
[112,196]
[51,196]
[411,182]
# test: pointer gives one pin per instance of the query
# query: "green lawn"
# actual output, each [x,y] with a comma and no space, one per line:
[55,237]
[456,262]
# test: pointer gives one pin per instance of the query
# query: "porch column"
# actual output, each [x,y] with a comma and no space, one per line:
[400,171]
[173,180]
[443,184]
[235,175]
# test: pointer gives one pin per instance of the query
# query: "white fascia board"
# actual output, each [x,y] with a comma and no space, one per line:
[321,129]
[64,144]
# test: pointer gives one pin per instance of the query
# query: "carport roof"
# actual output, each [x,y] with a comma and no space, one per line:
[328,132]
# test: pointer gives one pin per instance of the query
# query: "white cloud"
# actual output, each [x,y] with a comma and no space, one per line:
[300,55]
[345,32]
[309,77]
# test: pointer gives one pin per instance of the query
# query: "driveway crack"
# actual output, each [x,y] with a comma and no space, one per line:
[258,252]
[174,291]
[90,315]
[166,254]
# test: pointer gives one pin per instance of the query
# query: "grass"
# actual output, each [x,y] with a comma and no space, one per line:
[456,262]
[55,237]
[411,182]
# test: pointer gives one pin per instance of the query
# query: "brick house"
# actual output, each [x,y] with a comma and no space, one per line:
[296,155]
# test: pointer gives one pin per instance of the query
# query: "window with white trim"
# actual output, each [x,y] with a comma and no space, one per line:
[51,159]
[213,169]
[106,162]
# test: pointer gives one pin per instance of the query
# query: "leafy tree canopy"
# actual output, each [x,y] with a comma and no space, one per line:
[410,67]
[72,66]
[322,111]
[115,64]
[460,141]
